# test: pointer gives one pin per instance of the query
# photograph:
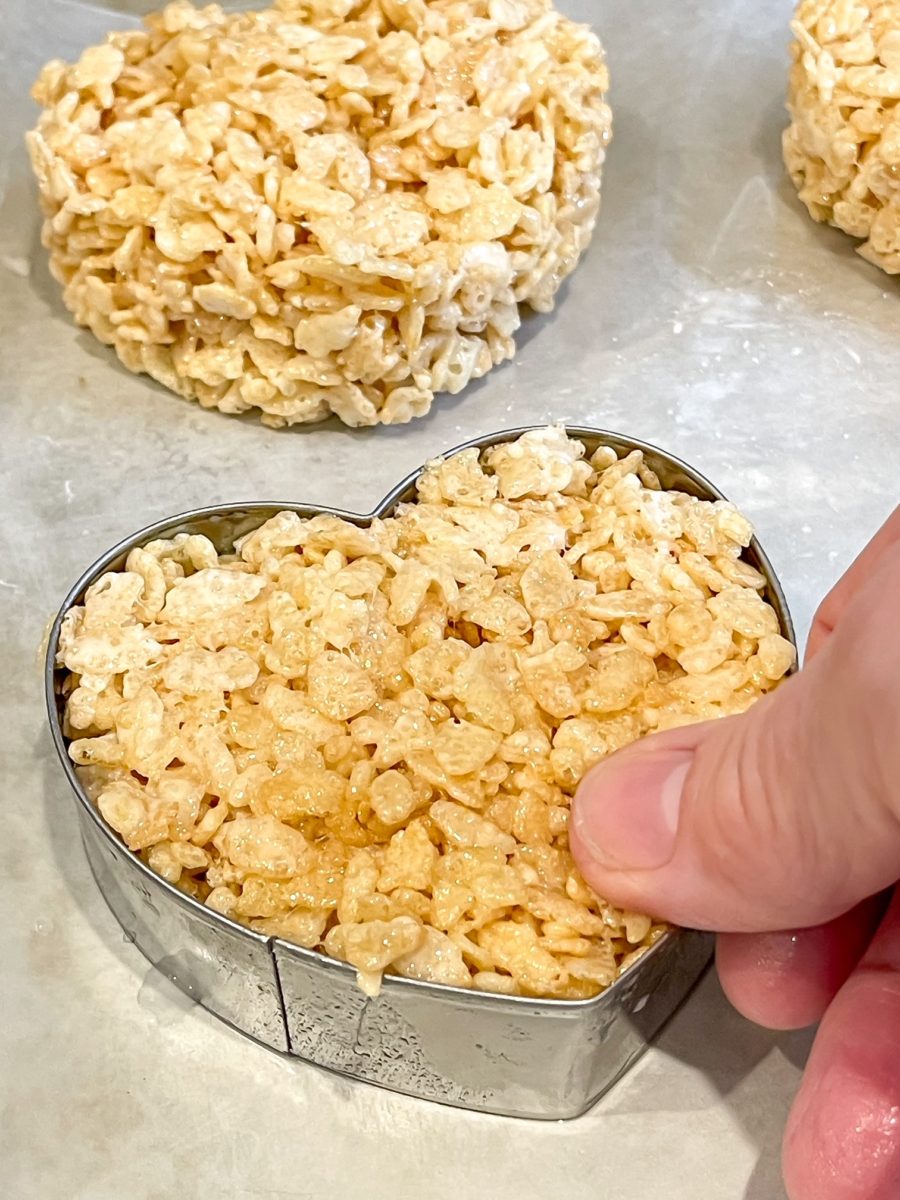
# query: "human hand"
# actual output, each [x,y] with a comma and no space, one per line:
[780,829]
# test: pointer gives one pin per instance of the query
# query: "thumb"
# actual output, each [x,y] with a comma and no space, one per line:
[780,818]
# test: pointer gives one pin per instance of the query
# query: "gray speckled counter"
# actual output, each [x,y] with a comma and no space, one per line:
[712,317]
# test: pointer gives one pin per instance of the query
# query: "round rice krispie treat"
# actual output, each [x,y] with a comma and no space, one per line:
[330,206]
[843,145]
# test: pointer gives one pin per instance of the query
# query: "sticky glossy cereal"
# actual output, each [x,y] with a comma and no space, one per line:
[366,740]
[321,208]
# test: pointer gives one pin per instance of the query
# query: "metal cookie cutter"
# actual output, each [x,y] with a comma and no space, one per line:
[546,1059]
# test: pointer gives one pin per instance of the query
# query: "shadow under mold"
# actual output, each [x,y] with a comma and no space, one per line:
[710,1037]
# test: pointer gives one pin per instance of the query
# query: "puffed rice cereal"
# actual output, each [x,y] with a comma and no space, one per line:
[330,206]
[365,739]
[842,148]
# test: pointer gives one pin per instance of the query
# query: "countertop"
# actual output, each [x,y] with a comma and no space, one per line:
[711,316]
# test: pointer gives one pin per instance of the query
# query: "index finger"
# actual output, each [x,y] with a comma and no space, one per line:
[843,1136]
[835,603]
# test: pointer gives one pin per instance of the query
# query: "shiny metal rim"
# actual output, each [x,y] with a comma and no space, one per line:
[403,491]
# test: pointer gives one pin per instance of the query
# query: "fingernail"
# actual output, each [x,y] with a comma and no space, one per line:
[625,814]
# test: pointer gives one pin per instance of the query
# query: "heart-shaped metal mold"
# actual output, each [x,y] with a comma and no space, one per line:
[545,1059]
